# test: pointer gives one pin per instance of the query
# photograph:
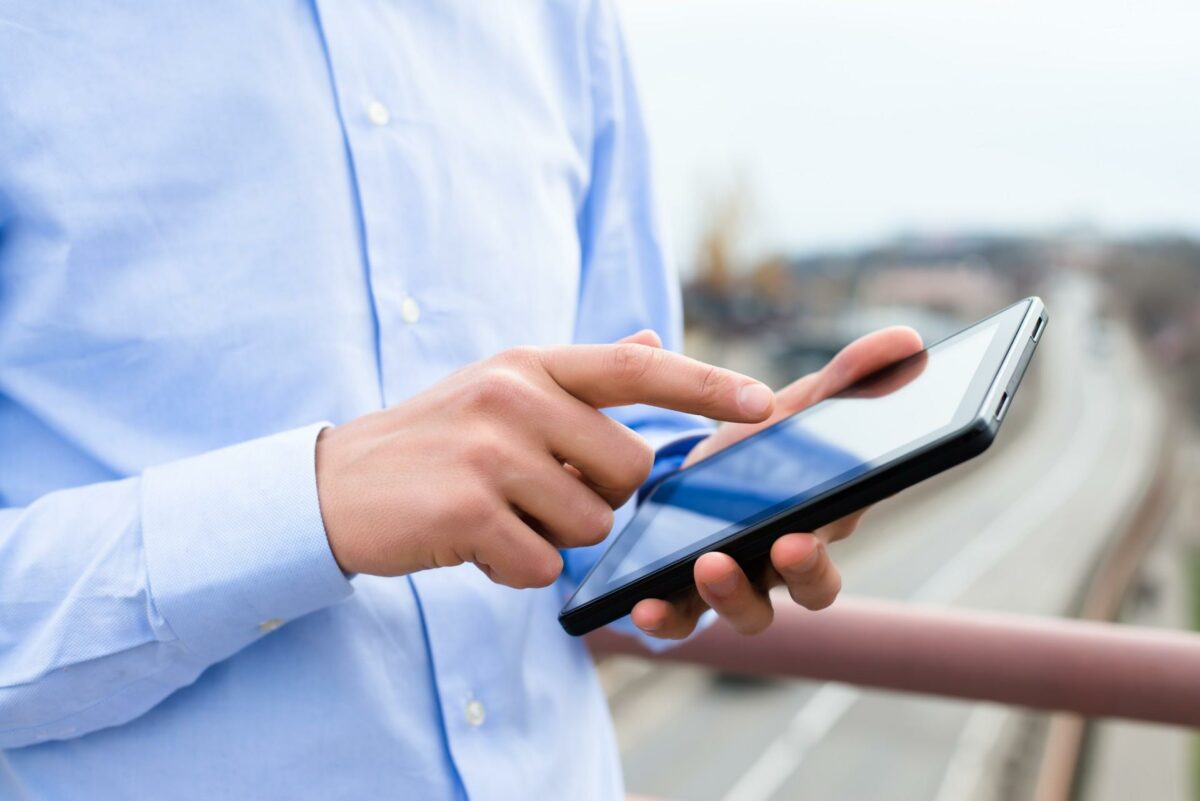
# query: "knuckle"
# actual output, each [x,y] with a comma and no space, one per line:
[824,594]
[598,522]
[474,508]
[486,451]
[712,381]
[639,461]
[630,362]
[498,388]
[756,624]
[521,356]
[814,572]
[628,465]
[835,587]
[643,460]
[605,521]
[543,570]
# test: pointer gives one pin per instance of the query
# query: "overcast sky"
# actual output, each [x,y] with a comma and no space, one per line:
[856,119]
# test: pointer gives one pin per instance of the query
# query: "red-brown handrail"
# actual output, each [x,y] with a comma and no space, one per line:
[1095,669]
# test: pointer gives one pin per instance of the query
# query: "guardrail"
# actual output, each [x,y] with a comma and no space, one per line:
[1094,669]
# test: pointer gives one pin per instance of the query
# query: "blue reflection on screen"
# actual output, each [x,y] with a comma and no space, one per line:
[801,457]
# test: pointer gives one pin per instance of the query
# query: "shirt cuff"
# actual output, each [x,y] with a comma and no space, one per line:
[235,544]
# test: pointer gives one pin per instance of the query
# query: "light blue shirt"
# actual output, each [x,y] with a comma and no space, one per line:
[223,224]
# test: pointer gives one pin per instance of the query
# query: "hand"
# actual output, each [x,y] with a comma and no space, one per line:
[798,560]
[508,459]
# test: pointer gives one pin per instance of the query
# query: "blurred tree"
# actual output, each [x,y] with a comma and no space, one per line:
[1157,282]
[724,228]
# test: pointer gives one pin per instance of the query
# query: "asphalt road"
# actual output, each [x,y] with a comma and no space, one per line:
[1015,530]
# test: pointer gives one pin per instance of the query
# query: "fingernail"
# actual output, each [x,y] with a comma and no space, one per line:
[722,587]
[755,399]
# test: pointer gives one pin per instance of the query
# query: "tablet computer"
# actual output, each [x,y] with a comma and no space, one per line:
[898,426]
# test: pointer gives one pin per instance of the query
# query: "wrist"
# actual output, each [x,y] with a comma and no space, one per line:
[328,500]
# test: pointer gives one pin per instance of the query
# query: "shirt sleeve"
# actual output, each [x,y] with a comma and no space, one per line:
[628,280]
[115,595]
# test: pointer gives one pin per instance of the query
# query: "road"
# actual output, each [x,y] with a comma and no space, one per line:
[1015,530]
[1127,759]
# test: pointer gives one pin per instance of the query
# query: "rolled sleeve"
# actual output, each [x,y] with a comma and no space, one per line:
[235,544]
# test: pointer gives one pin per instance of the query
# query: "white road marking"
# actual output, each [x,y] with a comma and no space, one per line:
[968,760]
[821,713]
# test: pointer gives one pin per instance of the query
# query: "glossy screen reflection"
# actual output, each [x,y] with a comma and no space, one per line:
[799,458]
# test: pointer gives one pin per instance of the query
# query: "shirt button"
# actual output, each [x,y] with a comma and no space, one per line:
[475,713]
[410,310]
[378,113]
[270,625]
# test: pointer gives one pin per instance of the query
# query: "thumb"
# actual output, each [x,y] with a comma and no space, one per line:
[643,337]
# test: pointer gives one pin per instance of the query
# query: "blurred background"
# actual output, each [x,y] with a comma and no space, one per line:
[828,167]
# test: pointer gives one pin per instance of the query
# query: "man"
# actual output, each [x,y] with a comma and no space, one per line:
[223,221]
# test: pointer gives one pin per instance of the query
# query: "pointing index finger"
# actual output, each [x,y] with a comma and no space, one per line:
[628,373]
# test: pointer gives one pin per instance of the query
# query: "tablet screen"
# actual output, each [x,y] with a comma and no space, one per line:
[900,408]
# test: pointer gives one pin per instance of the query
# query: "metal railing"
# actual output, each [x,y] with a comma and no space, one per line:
[1093,669]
